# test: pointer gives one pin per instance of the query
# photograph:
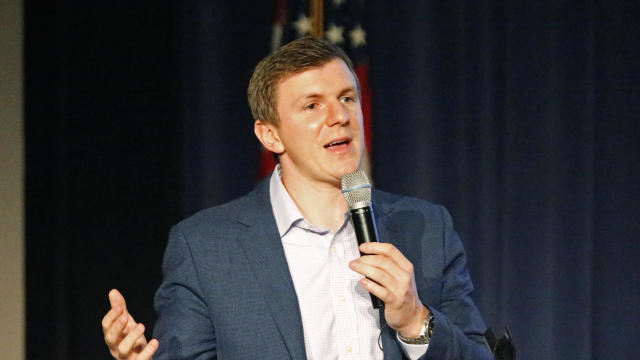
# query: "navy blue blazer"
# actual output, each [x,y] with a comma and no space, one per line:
[227,292]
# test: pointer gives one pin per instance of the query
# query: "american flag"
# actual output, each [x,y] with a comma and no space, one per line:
[344,23]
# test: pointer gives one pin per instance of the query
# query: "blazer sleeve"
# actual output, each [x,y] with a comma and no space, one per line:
[459,327]
[183,328]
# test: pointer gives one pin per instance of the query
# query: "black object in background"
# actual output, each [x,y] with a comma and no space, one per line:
[503,348]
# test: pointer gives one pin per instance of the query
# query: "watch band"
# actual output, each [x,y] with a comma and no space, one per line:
[425,333]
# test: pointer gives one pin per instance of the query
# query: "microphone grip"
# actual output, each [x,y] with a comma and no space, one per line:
[366,231]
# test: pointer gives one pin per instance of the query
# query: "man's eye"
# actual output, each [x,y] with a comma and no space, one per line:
[347,99]
[310,106]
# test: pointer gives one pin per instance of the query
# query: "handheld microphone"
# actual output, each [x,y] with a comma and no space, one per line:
[356,190]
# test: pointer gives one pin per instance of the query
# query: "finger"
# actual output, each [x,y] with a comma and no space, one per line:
[110,317]
[116,299]
[372,272]
[148,350]
[126,345]
[378,290]
[114,333]
[400,275]
[386,274]
[140,343]
[131,324]
[389,250]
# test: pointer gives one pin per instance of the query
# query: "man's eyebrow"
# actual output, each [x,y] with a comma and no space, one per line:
[307,96]
[348,90]
[314,95]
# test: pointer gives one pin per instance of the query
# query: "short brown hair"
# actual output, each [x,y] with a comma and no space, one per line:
[295,57]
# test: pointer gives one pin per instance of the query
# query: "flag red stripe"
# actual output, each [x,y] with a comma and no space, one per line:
[362,71]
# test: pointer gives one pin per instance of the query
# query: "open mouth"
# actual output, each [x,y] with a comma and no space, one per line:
[337,143]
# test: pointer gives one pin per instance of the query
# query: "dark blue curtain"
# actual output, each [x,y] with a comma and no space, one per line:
[221,42]
[103,141]
[520,117]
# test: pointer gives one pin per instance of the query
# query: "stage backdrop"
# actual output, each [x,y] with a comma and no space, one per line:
[520,119]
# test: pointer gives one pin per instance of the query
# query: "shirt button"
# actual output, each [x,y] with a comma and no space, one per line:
[341,298]
[349,349]
[333,249]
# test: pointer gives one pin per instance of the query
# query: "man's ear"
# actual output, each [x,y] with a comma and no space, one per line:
[268,135]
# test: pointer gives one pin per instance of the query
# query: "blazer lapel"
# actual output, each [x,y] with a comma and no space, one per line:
[263,247]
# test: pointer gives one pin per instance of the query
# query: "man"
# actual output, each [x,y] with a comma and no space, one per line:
[277,273]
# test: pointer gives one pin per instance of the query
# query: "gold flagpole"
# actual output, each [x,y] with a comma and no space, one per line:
[317,14]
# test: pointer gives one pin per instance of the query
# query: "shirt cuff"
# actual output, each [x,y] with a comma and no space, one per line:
[412,351]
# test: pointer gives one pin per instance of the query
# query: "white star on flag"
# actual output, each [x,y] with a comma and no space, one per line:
[303,25]
[334,34]
[358,36]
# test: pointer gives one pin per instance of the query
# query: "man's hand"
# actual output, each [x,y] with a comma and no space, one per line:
[124,337]
[394,283]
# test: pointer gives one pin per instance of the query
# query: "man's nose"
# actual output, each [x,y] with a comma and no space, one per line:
[338,114]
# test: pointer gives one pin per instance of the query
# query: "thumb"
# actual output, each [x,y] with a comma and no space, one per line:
[116,299]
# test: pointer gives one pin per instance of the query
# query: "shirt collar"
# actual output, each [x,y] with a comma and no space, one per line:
[284,208]
[286,211]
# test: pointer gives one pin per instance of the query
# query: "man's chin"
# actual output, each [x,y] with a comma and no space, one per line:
[347,170]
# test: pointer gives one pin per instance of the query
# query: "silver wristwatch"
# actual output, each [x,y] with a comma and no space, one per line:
[425,333]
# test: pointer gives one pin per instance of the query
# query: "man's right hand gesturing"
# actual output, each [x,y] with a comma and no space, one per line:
[123,335]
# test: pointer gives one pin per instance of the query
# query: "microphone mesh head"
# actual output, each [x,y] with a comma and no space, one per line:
[356,189]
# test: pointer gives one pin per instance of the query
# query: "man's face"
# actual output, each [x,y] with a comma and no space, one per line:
[320,123]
